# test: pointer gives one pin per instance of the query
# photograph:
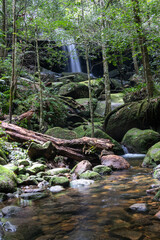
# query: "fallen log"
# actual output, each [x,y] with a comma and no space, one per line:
[77,149]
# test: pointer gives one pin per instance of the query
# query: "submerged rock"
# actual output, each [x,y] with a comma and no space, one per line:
[139,141]
[11,211]
[33,196]
[8,227]
[139,207]
[56,189]
[81,183]
[152,157]
[115,162]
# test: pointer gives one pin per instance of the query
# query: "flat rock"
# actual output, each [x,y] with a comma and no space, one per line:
[11,210]
[33,196]
[56,189]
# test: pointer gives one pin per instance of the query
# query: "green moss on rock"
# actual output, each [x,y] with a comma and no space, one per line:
[63,181]
[90,175]
[62,133]
[152,157]
[102,170]
[8,180]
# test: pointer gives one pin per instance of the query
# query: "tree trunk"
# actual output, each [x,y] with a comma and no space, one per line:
[13,79]
[144,50]
[76,149]
[40,84]
[4,29]
[134,58]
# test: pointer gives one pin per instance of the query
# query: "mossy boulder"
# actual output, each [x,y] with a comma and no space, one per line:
[85,131]
[12,167]
[46,150]
[139,141]
[62,181]
[90,175]
[2,161]
[74,90]
[37,167]
[152,157]
[8,180]
[102,170]
[141,114]
[85,103]
[62,133]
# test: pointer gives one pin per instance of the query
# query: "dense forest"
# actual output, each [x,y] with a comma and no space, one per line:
[79,111]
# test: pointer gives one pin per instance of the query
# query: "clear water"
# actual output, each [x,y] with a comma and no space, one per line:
[97,212]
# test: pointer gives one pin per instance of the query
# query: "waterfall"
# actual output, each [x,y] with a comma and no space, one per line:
[74,62]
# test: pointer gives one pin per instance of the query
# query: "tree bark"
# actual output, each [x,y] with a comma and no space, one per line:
[76,149]
[4,29]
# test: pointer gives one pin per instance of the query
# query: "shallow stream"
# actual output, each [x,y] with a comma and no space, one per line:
[97,212]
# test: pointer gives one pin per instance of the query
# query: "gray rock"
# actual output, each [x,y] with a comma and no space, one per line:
[33,196]
[139,207]
[8,227]
[56,189]
[81,167]
[11,211]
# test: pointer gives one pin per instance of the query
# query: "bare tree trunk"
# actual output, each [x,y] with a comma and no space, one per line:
[90,91]
[40,84]
[144,50]
[134,58]
[4,29]
[13,79]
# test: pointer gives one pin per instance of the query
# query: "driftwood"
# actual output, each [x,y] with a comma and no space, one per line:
[77,149]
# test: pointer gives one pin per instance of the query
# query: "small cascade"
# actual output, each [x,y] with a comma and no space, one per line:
[73,58]
[131,155]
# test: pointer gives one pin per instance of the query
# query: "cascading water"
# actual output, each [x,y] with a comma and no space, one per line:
[74,62]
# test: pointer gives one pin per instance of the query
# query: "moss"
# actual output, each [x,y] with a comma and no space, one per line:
[152,157]
[62,133]
[90,175]
[102,170]
[63,181]
[8,180]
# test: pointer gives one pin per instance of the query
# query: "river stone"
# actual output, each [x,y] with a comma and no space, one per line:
[90,175]
[152,157]
[139,207]
[139,141]
[8,227]
[115,162]
[81,183]
[2,161]
[55,180]
[33,195]
[102,169]
[46,150]
[8,180]
[157,215]
[62,133]
[3,197]
[56,171]
[11,211]
[56,189]
[81,167]
[37,167]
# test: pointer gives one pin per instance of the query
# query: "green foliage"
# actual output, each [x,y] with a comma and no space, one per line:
[135,89]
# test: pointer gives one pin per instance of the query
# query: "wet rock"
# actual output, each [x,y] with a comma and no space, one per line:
[157,215]
[139,207]
[46,237]
[139,141]
[62,181]
[37,167]
[81,183]
[56,189]
[8,227]
[11,211]
[46,150]
[8,180]
[81,167]
[90,175]
[33,196]
[115,162]
[1,232]
[56,171]
[2,161]
[3,197]
[44,184]
[128,234]
[31,180]
[152,157]
[102,170]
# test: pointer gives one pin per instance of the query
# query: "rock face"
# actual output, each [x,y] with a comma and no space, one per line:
[115,162]
[46,150]
[141,114]
[74,90]
[8,181]
[152,157]
[140,141]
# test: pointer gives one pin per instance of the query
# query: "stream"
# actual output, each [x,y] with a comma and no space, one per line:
[98,212]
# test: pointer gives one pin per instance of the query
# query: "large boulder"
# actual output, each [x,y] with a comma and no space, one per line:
[152,157]
[46,150]
[62,133]
[114,162]
[140,141]
[74,90]
[141,114]
[8,180]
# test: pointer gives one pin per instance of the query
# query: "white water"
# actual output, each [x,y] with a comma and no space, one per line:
[73,58]
[131,155]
